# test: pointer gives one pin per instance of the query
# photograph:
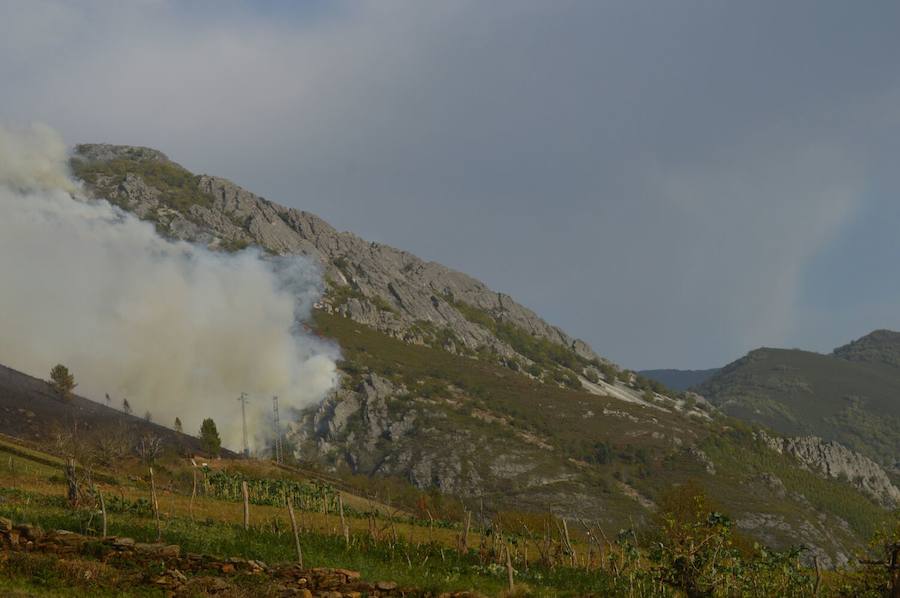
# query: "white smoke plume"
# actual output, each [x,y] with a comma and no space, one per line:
[176,329]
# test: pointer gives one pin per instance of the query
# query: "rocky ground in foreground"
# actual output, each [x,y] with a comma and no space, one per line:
[165,567]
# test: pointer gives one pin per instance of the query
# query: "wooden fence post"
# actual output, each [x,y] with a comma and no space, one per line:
[193,490]
[290,507]
[509,570]
[102,510]
[72,482]
[465,538]
[344,528]
[246,493]
[155,505]
[569,547]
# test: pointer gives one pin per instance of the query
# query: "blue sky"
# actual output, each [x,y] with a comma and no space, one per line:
[677,183]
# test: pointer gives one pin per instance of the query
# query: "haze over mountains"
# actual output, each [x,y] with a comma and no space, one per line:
[680,379]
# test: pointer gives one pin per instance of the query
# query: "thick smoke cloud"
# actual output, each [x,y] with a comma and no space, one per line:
[176,329]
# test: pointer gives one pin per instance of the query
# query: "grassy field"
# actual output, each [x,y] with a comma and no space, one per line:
[387,547]
[414,556]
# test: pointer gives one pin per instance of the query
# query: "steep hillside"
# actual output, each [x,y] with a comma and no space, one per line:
[679,379]
[852,397]
[30,410]
[385,288]
[457,388]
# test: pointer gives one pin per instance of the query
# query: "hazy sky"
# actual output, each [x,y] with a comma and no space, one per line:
[675,182]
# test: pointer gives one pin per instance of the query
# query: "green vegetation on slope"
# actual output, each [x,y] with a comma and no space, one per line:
[617,444]
[540,350]
[558,414]
[799,392]
[881,346]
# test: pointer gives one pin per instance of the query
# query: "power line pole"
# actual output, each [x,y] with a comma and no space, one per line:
[279,457]
[243,399]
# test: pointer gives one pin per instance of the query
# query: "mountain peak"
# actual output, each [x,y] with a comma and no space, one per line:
[106,152]
[879,346]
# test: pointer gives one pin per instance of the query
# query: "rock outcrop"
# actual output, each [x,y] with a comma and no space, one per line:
[378,427]
[834,460]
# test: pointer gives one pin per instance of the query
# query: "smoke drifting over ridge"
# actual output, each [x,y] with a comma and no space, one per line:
[176,329]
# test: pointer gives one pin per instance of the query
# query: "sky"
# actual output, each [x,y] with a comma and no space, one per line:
[675,182]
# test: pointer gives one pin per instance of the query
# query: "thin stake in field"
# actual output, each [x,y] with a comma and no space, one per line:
[290,507]
[246,494]
[155,505]
[344,528]
[102,510]
[193,489]
[509,569]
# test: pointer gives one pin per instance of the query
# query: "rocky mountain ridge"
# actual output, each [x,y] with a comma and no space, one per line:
[377,285]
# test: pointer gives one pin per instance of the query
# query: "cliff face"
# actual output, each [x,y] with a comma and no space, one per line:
[834,460]
[388,289]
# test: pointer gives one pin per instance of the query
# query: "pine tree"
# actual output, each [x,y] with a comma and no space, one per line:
[63,381]
[126,406]
[178,426]
[209,437]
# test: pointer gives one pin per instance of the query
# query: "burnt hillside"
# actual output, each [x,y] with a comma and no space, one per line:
[32,411]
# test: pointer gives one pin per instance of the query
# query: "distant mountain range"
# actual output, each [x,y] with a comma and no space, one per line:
[680,380]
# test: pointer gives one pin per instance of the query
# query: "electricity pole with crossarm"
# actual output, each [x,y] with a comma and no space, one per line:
[243,399]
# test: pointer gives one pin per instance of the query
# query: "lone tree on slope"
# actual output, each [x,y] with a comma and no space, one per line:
[209,437]
[63,381]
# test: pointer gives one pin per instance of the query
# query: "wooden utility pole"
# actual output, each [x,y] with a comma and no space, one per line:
[278,449]
[243,399]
